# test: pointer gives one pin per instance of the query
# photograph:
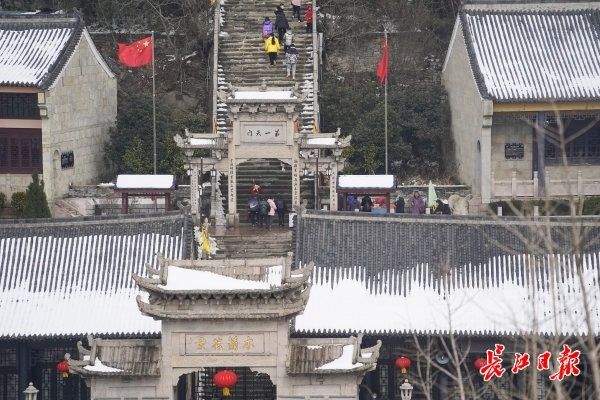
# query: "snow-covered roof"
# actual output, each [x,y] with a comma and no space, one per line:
[156,182]
[366,182]
[331,355]
[35,48]
[74,278]
[500,297]
[263,95]
[533,54]
[98,366]
[179,279]
[127,357]
[321,141]
[201,142]
[344,362]
[412,268]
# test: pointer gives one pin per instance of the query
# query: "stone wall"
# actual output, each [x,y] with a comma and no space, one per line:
[82,106]
[12,183]
[512,132]
[466,106]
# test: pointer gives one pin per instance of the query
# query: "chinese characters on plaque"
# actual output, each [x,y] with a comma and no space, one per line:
[263,133]
[567,363]
[224,344]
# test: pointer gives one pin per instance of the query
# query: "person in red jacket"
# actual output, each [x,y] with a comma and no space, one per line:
[308,17]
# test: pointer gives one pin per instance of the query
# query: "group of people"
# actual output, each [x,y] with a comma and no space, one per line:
[281,27]
[262,209]
[417,205]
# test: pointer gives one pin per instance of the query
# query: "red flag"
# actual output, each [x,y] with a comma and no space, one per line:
[136,54]
[382,69]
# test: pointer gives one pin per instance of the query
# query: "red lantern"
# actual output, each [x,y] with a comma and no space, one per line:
[479,363]
[63,368]
[403,363]
[224,380]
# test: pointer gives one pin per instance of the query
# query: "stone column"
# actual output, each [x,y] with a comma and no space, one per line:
[486,151]
[296,171]
[194,191]
[333,197]
[232,216]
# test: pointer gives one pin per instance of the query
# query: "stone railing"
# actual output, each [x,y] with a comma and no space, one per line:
[514,187]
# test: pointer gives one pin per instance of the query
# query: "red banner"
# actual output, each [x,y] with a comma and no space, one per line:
[136,54]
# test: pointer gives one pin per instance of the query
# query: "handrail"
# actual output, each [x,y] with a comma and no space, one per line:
[215,74]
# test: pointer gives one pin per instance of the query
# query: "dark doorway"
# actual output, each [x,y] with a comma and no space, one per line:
[250,385]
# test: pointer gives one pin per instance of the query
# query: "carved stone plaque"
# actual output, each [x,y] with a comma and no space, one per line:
[225,343]
[264,133]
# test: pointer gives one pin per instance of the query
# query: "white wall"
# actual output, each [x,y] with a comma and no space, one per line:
[467,110]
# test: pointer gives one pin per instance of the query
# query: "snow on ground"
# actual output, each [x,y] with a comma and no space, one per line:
[266,95]
[189,279]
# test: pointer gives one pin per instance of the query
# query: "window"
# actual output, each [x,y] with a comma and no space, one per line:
[19,106]
[20,151]
[581,141]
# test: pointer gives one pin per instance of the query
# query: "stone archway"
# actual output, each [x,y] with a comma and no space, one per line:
[251,385]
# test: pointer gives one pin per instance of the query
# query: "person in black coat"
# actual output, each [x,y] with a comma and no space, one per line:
[399,203]
[281,23]
[366,204]
[442,207]
[281,210]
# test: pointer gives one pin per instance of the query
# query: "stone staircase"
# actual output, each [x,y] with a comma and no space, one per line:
[250,242]
[243,62]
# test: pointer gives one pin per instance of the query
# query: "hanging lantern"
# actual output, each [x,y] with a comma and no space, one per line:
[224,380]
[403,363]
[63,369]
[479,363]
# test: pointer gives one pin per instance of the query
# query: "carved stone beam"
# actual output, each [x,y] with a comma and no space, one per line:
[271,108]
[252,108]
[289,109]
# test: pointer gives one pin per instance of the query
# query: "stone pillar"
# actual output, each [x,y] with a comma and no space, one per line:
[232,215]
[296,171]
[486,151]
[194,191]
[333,197]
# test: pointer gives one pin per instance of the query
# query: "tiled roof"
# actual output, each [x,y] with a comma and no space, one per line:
[541,54]
[402,275]
[70,278]
[128,357]
[331,356]
[35,48]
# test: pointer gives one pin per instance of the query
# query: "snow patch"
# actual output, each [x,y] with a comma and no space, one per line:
[145,182]
[366,181]
[189,279]
[344,362]
[99,367]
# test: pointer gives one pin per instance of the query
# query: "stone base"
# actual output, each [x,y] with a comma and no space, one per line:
[233,220]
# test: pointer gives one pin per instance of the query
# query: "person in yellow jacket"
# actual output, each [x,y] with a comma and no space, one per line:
[272,47]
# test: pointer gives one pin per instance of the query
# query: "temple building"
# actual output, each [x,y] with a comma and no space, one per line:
[524,88]
[360,295]
[58,99]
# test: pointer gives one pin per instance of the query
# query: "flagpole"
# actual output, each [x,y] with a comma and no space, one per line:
[386,111]
[154,106]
